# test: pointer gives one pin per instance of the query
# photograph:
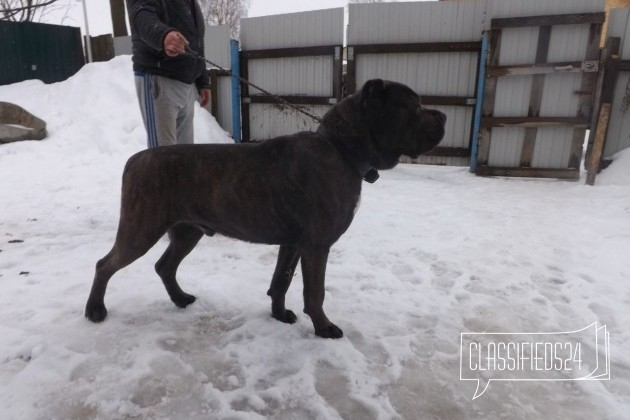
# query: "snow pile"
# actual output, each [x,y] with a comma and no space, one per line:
[618,173]
[433,252]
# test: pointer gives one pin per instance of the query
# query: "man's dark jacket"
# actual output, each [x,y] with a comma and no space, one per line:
[150,21]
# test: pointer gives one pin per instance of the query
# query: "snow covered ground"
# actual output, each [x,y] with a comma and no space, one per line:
[433,252]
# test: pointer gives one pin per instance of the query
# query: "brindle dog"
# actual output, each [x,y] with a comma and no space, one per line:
[299,191]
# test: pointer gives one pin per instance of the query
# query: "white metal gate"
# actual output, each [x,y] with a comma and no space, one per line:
[431,46]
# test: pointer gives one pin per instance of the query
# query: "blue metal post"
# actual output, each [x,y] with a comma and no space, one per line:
[481,85]
[236,91]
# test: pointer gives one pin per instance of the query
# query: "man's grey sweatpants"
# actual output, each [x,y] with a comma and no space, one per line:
[167,107]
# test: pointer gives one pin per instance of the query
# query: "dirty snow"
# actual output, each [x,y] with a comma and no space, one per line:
[433,252]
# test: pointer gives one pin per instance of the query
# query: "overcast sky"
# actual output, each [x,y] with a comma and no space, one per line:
[99,19]
[274,7]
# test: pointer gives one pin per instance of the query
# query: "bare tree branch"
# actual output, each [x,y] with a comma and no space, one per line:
[23,10]
[225,12]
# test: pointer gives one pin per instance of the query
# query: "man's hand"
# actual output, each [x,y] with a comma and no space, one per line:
[204,96]
[175,44]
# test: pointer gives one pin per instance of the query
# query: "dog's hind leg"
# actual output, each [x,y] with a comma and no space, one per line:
[129,246]
[183,239]
[314,274]
[288,258]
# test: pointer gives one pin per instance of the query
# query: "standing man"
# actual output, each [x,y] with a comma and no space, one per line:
[167,37]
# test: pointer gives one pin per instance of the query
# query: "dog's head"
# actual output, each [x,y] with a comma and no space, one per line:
[397,123]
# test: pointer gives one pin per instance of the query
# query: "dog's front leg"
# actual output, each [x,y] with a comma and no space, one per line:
[314,273]
[288,258]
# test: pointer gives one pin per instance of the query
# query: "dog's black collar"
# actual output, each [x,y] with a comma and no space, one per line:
[367,172]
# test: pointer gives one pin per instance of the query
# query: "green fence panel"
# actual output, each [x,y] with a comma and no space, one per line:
[28,50]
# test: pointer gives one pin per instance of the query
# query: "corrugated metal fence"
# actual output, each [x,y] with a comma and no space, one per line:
[297,56]
[541,74]
[50,53]
[432,47]
[217,49]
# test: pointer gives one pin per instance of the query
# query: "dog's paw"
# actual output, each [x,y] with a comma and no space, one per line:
[332,331]
[287,316]
[96,313]
[184,299]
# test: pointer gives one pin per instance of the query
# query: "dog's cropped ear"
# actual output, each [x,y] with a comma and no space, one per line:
[372,95]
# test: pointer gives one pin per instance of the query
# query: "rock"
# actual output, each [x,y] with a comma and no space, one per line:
[17,124]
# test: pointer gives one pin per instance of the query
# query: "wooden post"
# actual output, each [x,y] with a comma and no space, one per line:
[587,94]
[351,71]
[598,145]
[117,9]
[102,48]
[606,85]
[338,73]
[214,99]
[245,101]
